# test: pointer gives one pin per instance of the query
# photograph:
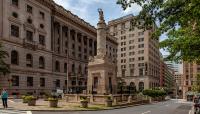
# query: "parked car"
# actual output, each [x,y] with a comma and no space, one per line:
[197,105]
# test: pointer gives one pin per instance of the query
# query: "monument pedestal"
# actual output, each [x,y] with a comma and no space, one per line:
[101,76]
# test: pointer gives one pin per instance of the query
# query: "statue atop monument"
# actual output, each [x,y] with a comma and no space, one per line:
[101,16]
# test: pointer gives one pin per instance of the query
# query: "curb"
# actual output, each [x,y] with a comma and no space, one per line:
[112,108]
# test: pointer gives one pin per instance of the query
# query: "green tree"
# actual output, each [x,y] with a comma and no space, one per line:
[4,68]
[179,19]
[196,86]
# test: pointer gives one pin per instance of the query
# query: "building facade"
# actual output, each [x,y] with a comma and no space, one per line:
[48,47]
[138,54]
[190,71]
[167,79]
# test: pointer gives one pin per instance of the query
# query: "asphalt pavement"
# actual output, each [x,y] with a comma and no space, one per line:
[167,107]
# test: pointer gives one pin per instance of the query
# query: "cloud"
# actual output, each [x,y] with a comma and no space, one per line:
[135,9]
[80,7]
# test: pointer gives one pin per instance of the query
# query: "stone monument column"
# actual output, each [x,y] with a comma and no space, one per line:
[101,34]
[101,70]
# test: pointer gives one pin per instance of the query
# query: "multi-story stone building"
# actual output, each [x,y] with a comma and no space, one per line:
[138,54]
[190,71]
[26,36]
[178,80]
[48,47]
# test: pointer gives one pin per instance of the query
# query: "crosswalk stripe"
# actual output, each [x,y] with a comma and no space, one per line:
[14,112]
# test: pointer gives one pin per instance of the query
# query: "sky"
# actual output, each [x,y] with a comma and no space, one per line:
[87,10]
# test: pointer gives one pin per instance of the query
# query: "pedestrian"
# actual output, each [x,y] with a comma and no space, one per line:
[4,97]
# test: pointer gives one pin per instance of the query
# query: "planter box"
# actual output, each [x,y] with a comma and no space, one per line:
[108,103]
[84,104]
[32,102]
[53,103]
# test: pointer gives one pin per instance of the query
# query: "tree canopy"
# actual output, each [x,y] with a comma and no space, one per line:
[179,19]
[4,68]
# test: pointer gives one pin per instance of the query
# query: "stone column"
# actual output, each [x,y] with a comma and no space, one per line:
[61,38]
[68,52]
[101,35]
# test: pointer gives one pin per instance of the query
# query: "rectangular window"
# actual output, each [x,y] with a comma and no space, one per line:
[123,26]
[131,41]
[29,9]
[141,46]
[140,33]
[131,35]
[29,81]
[131,72]
[14,31]
[41,39]
[90,43]
[140,39]
[57,83]
[140,58]
[96,81]
[42,82]
[15,80]
[132,53]
[79,48]
[29,36]
[140,72]
[123,73]
[42,15]
[115,28]
[140,64]
[131,47]
[131,65]
[140,51]
[131,59]
[15,2]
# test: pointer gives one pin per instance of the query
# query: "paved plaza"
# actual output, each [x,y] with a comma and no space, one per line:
[166,107]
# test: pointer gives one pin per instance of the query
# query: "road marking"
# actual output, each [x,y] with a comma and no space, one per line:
[12,112]
[28,112]
[146,112]
[166,105]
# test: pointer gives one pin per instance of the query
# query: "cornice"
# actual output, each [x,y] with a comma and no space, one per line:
[57,10]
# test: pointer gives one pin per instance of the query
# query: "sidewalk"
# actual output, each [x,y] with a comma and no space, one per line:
[62,106]
[191,111]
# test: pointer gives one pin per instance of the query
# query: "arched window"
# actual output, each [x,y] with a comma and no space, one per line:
[41,62]
[132,87]
[14,57]
[141,86]
[57,66]
[29,60]
[79,69]
[65,68]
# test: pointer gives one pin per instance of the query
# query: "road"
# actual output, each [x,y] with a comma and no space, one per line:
[168,107]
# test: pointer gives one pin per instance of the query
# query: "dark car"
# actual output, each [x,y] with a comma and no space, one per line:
[197,104]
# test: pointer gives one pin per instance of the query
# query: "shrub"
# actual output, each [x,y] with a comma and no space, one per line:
[29,98]
[52,99]
[83,98]
[154,93]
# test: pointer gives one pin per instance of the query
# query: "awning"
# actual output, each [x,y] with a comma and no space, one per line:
[190,93]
